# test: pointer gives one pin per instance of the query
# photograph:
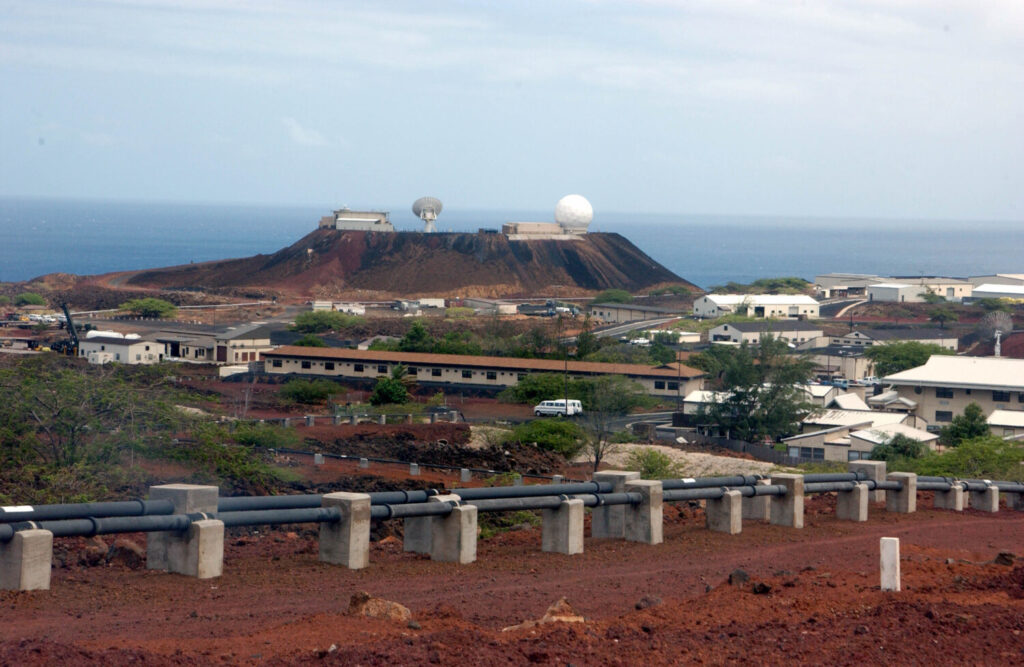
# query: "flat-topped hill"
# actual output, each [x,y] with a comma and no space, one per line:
[330,262]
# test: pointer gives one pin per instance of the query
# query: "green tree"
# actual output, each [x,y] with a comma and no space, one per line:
[942,315]
[4,300]
[605,399]
[661,354]
[971,424]
[29,299]
[417,339]
[986,457]
[561,436]
[761,388]
[587,342]
[319,321]
[652,464]
[613,296]
[933,297]
[899,447]
[310,340]
[308,391]
[392,389]
[991,304]
[149,307]
[536,387]
[895,357]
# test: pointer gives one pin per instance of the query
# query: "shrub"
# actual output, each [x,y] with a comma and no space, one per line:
[388,391]
[308,391]
[29,299]
[310,340]
[652,464]
[556,435]
[319,321]
[613,296]
[265,435]
[987,457]
[149,307]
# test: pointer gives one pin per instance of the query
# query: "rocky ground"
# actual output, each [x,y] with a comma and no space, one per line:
[802,596]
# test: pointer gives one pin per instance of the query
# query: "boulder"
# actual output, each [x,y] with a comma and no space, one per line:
[127,553]
[363,604]
[559,612]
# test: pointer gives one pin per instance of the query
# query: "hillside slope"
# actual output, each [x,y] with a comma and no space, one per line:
[329,262]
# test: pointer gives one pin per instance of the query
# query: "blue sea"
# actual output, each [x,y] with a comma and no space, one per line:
[39,236]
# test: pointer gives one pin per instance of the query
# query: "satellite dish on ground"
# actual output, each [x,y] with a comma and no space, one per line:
[427,209]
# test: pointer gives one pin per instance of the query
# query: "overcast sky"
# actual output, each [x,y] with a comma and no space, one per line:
[880,108]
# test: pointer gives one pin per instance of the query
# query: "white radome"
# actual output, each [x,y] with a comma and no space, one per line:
[574,213]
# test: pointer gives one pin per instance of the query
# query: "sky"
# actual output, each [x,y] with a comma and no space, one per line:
[860,108]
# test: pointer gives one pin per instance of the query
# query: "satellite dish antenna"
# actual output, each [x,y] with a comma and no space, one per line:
[427,209]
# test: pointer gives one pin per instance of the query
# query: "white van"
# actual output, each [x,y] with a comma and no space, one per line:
[558,407]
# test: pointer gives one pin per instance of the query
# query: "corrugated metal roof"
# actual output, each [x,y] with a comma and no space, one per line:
[1011,418]
[506,363]
[955,371]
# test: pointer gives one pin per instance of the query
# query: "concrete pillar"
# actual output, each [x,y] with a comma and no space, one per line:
[643,522]
[408,419]
[725,514]
[433,417]
[336,420]
[414,469]
[25,561]
[347,542]
[609,520]
[562,528]
[1014,500]
[517,480]
[318,459]
[310,420]
[987,500]
[382,420]
[950,500]
[187,499]
[853,505]
[556,479]
[889,561]
[418,531]
[199,551]
[286,422]
[465,475]
[353,420]
[875,471]
[905,501]
[454,535]
[788,510]
[364,463]
[757,508]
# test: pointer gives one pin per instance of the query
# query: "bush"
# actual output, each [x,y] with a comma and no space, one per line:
[308,391]
[29,299]
[265,435]
[899,447]
[310,340]
[987,457]
[534,388]
[319,321]
[613,296]
[556,435]
[652,464]
[389,391]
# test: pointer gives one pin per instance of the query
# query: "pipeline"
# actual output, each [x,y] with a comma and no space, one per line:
[977,484]
[674,495]
[85,510]
[829,487]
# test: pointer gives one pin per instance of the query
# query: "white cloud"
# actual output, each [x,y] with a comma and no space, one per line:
[301,135]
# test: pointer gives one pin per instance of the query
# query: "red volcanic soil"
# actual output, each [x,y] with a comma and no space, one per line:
[328,262]
[818,600]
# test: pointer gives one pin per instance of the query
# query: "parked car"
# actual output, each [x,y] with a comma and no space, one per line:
[558,408]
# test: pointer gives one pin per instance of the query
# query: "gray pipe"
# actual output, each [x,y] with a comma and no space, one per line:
[83,510]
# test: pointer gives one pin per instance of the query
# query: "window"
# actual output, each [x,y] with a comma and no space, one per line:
[138,357]
[943,416]
[382,369]
[1020,397]
[659,384]
[358,368]
[856,456]
[815,453]
[673,386]
[943,392]
[918,390]
[1001,396]
[413,370]
[492,375]
[435,372]
[328,365]
[306,364]
[276,363]
[467,374]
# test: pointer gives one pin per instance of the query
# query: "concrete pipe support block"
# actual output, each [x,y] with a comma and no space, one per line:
[757,508]
[347,542]
[187,499]
[562,528]
[905,500]
[725,514]
[788,510]
[875,471]
[853,505]
[418,531]
[950,500]
[610,521]
[644,521]
[199,551]
[987,500]
[25,561]
[454,539]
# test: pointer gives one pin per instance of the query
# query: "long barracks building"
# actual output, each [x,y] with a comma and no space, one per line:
[469,371]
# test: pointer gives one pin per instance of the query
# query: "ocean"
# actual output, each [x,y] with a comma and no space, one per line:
[39,236]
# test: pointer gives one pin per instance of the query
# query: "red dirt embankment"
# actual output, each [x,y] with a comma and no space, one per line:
[819,601]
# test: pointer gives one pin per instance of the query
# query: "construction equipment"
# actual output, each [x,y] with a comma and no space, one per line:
[70,346]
